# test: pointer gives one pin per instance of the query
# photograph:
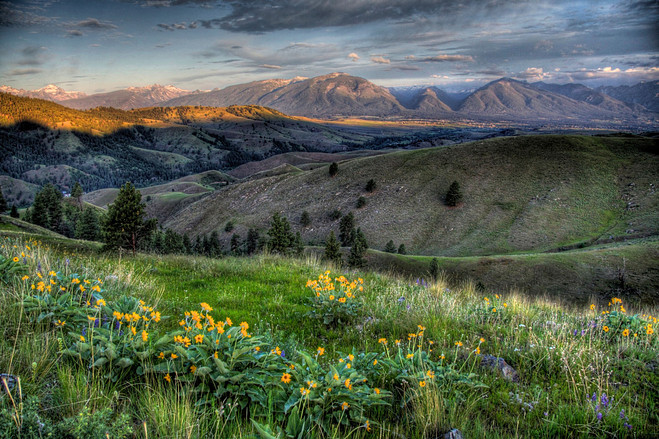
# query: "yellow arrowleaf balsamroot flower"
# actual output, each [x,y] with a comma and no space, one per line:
[482,340]
[173,356]
[431,374]
[331,297]
[351,357]
[375,362]
[336,376]
[458,343]
[15,259]
[320,351]
[206,307]
[345,406]
[422,384]
[409,356]
[605,328]
[82,339]
[347,384]
[382,341]
[494,310]
[592,306]
[286,378]
[625,333]
[161,356]
[342,300]
[304,391]
[168,378]
[145,335]
[133,330]
[25,277]
[199,338]
[376,390]
[193,368]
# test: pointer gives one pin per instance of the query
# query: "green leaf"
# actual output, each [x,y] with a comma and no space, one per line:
[264,431]
[125,362]
[203,371]
[100,362]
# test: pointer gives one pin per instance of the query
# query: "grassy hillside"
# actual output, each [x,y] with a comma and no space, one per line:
[628,270]
[521,194]
[421,351]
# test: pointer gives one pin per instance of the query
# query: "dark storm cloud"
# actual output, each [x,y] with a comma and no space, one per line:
[17,15]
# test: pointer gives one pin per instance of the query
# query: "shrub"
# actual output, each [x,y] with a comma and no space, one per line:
[390,247]
[371,185]
[361,202]
[335,214]
[305,219]
[402,250]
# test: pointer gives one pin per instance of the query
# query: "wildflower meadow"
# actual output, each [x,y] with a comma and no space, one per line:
[97,345]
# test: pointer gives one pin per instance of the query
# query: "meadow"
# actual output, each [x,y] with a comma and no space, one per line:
[105,345]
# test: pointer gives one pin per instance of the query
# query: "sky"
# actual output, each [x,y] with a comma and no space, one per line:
[103,45]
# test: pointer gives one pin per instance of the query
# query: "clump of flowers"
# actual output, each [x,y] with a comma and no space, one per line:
[334,300]
[616,322]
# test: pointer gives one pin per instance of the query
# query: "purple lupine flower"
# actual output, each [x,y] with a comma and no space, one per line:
[599,416]
[605,400]
[401,299]
[575,332]
[546,414]
[628,426]
[593,324]
[67,262]
[583,332]
[622,414]
[84,331]
[117,325]
[24,260]
[594,398]
[283,354]
[39,266]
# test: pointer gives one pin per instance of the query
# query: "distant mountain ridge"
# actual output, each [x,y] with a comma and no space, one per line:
[342,95]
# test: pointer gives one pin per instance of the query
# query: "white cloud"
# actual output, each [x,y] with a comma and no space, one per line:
[380,60]
[353,56]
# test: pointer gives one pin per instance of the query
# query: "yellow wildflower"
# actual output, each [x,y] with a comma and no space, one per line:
[422,384]
[344,406]
[320,351]
[193,368]
[168,378]
[286,378]
[625,333]
[145,335]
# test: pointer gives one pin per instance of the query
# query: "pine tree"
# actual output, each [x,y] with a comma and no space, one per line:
[87,226]
[371,185]
[361,202]
[346,229]
[39,213]
[298,245]
[434,269]
[305,219]
[281,237]
[454,195]
[214,245]
[332,249]
[125,226]
[229,226]
[3,203]
[252,241]
[390,247]
[55,210]
[235,244]
[333,169]
[14,211]
[356,257]
[76,193]
[187,244]
[402,250]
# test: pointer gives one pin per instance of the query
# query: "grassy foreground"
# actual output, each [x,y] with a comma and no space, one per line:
[88,368]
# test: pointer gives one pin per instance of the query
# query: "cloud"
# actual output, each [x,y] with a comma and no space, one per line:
[176,26]
[380,60]
[353,56]
[33,56]
[406,68]
[533,74]
[170,3]
[17,15]
[22,72]
[74,33]
[270,66]
[543,46]
[448,58]
[260,16]
[94,24]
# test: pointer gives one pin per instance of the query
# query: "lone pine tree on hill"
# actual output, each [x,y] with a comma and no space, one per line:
[390,247]
[356,257]
[454,194]
[333,169]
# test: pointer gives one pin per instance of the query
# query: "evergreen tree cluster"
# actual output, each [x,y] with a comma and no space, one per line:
[351,236]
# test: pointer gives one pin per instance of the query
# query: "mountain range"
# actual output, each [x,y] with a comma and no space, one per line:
[341,95]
